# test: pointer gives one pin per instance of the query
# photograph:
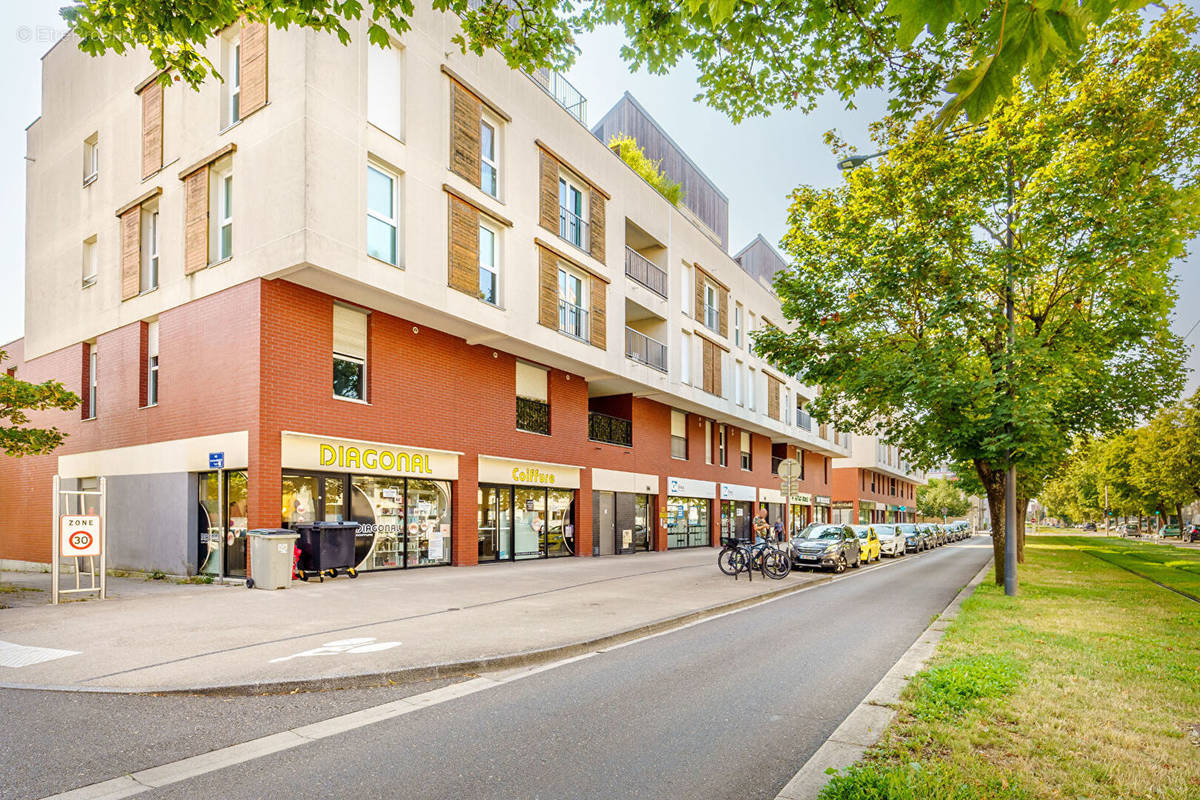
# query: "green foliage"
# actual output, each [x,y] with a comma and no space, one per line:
[954,688]
[932,780]
[17,436]
[941,498]
[632,154]
[751,57]
[896,296]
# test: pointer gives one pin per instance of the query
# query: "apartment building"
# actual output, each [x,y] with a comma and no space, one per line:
[407,288]
[876,483]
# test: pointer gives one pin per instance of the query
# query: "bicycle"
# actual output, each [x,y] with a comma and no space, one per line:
[764,555]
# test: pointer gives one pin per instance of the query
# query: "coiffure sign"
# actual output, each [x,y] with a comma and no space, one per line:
[307,451]
[527,473]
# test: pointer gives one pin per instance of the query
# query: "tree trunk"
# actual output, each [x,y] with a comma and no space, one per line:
[1022,510]
[993,484]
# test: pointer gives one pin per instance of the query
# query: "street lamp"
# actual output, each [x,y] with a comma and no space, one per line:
[1010,476]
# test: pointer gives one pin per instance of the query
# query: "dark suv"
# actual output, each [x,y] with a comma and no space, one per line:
[826,546]
[914,542]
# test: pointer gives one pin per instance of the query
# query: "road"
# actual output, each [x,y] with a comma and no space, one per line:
[728,708]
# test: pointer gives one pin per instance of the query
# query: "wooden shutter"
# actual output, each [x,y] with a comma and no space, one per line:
[707,361]
[699,309]
[723,310]
[548,288]
[131,252]
[195,221]
[596,223]
[718,363]
[152,128]
[253,68]
[599,324]
[549,192]
[466,112]
[464,247]
[773,387]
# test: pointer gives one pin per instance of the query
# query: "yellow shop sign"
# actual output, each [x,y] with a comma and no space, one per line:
[493,469]
[532,475]
[369,458]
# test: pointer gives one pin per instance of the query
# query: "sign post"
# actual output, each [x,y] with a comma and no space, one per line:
[789,484]
[79,536]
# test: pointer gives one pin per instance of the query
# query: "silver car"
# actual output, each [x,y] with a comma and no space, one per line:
[891,540]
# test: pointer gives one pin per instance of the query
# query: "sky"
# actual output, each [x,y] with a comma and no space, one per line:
[756,163]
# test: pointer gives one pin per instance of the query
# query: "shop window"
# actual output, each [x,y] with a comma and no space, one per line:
[533,398]
[402,522]
[747,462]
[679,442]
[349,353]
[687,522]
[382,216]
[520,523]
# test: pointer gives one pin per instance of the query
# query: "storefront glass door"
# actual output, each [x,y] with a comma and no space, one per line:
[222,531]
[529,522]
[495,523]
[560,533]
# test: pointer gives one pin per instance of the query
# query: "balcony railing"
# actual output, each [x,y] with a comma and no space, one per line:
[563,92]
[803,420]
[573,228]
[572,320]
[611,430]
[645,272]
[644,350]
[533,415]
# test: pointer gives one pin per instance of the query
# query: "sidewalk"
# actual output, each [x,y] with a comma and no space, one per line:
[150,636]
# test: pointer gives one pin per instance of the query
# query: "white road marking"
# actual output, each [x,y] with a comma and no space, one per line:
[22,655]
[360,645]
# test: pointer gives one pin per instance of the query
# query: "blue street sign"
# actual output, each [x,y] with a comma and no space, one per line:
[216,461]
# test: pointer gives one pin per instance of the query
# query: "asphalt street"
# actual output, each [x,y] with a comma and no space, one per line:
[731,707]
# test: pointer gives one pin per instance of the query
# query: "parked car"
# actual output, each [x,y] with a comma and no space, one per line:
[825,546]
[1131,529]
[936,537]
[868,541]
[913,542]
[1191,533]
[1169,530]
[1089,526]
[892,542]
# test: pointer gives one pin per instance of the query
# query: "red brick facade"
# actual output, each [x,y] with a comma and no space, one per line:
[258,357]
[858,485]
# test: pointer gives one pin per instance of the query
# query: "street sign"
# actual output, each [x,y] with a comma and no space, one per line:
[79,534]
[216,461]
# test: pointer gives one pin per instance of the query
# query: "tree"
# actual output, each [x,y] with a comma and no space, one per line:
[632,154]
[750,56]
[1166,459]
[941,498]
[17,437]
[896,295]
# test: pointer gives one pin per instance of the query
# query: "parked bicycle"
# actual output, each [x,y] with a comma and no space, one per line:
[738,556]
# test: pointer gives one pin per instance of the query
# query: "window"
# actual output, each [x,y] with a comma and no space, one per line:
[152,363]
[232,88]
[825,461]
[91,158]
[787,406]
[750,335]
[679,444]
[685,359]
[148,278]
[685,296]
[708,441]
[533,398]
[572,316]
[750,389]
[93,362]
[221,201]
[385,88]
[571,224]
[489,277]
[381,214]
[711,315]
[90,261]
[738,380]
[747,462]
[722,442]
[349,353]
[489,157]
[737,325]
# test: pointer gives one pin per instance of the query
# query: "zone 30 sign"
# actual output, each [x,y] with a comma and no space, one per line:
[79,535]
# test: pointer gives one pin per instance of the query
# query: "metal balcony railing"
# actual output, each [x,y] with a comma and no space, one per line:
[563,92]
[572,320]
[645,272]
[803,420]
[573,228]
[533,415]
[644,350]
[611,430]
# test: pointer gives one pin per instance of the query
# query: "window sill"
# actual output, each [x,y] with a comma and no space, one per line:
[351,400]
[385,261]
[677,458]
[90,179]
[230,127]
[535,433]
[88,282]
[151,290]
[88,419]
[148,405]
[217,263]
[158,171]
[387,133]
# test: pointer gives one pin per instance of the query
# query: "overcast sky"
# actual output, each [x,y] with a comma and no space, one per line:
[756,164]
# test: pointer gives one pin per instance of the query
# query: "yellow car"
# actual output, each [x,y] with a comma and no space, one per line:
[869,541]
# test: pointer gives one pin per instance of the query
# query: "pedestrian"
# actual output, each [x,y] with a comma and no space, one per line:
[760,527]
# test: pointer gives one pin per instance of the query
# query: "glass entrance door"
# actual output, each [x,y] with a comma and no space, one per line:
[529,523]
[495,523]
[222,524]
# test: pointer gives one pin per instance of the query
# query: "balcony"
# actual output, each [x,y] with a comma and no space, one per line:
[563,92]
[573,228]
[610,430]
[641,348]
[803,420]
[533,415]
[645,272]
[572,320]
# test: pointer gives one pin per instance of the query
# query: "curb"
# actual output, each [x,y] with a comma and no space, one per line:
[450,669]
[870,718]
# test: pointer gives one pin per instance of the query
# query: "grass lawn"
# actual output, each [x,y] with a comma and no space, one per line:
[1086,685]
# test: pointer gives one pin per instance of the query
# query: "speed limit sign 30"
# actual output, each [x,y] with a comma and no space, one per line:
[79,535]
